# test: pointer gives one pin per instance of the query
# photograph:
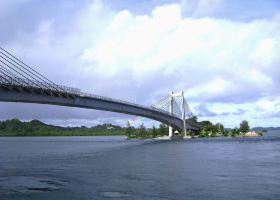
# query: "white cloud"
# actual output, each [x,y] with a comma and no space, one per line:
[191,50]
[228,64]
[264,53]
[198,8]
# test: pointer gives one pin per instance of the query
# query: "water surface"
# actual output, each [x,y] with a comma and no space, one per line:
[115,168]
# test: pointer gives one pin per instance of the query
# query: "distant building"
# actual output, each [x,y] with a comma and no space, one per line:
[110,127]
[251,134]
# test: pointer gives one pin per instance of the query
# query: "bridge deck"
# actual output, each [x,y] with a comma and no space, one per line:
[75,98]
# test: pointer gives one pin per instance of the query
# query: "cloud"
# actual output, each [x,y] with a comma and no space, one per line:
[224,65]
[239,112]
[213,59]
[202,111]
[199,8]
[234,10]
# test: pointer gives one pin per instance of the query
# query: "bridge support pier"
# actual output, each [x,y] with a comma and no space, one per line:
[171,132]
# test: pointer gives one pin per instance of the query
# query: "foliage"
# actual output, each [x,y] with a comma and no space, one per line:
[235,132]
[163,129]
[193,120]
[15,127]
[207,129]
[142,131]
[244,127]
[154,132]
[128,130]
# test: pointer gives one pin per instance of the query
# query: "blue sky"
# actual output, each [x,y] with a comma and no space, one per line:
[222,53]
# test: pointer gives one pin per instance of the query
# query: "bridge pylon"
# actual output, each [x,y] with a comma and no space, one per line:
[182,110]
[171,111]
[176,106]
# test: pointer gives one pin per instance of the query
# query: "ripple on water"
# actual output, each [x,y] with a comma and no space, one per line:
[29,184]
[116,194]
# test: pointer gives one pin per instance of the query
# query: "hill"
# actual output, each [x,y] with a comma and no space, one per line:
[16,127]
[265,129]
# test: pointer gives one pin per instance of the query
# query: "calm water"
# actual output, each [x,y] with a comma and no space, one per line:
[112,168]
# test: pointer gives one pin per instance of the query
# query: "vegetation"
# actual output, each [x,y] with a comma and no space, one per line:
[244,127]
[15,127]
[128,130]
[143,133]
[207,129]
[193,120]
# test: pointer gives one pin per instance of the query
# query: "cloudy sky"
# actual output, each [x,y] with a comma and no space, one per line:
[223,53]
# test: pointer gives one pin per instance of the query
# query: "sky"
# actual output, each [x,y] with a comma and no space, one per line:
[224,54]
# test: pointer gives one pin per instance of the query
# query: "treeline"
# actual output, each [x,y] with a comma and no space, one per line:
[208,129]
[16,127]
[144,133]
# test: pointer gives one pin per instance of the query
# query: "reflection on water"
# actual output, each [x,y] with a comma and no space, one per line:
[114,168]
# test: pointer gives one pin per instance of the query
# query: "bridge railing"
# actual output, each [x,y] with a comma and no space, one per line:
[16,81]
[83,94]
[20,82]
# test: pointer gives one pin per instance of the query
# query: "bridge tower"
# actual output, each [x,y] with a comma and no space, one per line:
[182,108]
[171,111]
[175,105]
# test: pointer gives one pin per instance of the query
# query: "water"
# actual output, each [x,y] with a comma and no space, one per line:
[112,168]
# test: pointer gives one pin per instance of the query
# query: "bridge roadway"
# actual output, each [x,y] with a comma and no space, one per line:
[14,93]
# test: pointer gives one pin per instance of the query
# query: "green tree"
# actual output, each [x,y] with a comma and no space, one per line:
[221,128]
[193,120]
[244,127]
[226,133]
[203,133]
[128,130]
[142,131]
[206,125]
[235,132]
[163,129]
[154,132]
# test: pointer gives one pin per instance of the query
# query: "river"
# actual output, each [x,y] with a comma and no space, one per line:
[89,168]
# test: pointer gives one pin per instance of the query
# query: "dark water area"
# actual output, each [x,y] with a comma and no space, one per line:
[113,168]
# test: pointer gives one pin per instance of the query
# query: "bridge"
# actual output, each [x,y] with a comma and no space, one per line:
[21,83]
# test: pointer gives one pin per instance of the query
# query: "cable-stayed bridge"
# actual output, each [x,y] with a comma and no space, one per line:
[21,83]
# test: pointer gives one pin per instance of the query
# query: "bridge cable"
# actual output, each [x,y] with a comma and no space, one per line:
[18,71]
[9,60]
[11,75]
[38,75]
[10,55]
[43,83]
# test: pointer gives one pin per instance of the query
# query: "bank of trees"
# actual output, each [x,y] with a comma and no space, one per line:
[142,132]
[16,127]
[208,129]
